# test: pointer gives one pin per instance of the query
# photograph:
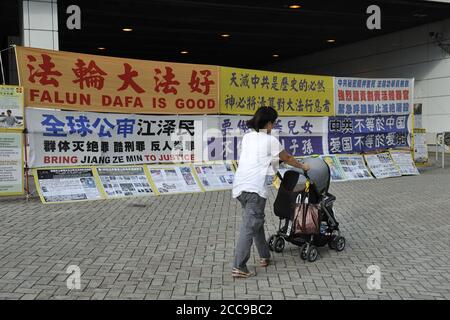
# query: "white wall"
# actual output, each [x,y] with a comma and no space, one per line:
[407,54]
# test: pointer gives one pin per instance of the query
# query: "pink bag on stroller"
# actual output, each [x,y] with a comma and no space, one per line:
[306,219]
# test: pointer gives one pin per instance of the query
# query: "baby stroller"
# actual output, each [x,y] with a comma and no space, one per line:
[303,198]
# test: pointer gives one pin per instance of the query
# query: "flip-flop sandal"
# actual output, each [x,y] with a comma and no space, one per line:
[236,273]
[264,262]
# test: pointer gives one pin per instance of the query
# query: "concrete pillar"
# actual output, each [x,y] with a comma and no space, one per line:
[40,24]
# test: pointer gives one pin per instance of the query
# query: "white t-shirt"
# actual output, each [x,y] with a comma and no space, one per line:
[259,150]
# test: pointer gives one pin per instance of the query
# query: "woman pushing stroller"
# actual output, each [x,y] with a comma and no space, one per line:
[260,150]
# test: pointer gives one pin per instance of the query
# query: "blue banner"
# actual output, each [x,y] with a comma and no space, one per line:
[367,133]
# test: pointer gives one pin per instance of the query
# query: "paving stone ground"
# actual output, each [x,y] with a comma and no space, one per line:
[181,246]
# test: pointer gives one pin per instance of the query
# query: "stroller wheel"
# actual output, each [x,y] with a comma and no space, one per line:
[271,242]
[304,251]
[312,253]
[279,244]
[339,243]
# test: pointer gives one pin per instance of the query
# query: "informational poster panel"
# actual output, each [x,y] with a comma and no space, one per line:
[124,181]
[381,165]
[363,96]
[420,147]
[354,167]
[11,108]
[217,175]
[66,184]
[174,179]
[11,164]
[243,91]
[404,161]
[337,173]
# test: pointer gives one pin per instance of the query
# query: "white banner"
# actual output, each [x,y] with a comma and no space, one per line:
[74,138]
[364,96]
[300,136]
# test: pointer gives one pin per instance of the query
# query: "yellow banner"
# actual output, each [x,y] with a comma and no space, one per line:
[83,82]
[243,91]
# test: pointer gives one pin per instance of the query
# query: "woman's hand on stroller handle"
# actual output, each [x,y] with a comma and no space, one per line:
[290,160]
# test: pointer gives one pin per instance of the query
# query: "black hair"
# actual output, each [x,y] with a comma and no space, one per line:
[8,111]
[262,117]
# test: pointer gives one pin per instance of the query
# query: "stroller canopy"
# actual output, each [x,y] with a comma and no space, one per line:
[319,174]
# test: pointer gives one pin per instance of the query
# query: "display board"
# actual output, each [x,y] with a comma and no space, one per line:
[217,175]
[404,162]
[84,82]
[172,179]
[129,181]
[354,167]
[381,165]
[365,96]
[420,146]
[11,108]
[66,184]
[336,170]
[243,91]
[11,164]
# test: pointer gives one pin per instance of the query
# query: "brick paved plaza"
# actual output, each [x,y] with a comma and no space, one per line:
[181,247]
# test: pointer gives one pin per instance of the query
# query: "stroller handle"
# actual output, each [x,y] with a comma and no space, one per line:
[305,173]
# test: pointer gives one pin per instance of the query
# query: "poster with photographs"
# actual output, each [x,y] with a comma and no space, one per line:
[404,161]
[354,167]
[381,165]
[124,181]
[174,179]
[11,164]
[218,175]
[66,184]
[11,108]
[336,171]
[420,147]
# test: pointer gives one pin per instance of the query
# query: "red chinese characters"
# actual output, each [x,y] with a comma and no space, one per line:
[127,78]
[167,83]
[362,94]
[405,95]
[46,74]
[205,84]
[90,75]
